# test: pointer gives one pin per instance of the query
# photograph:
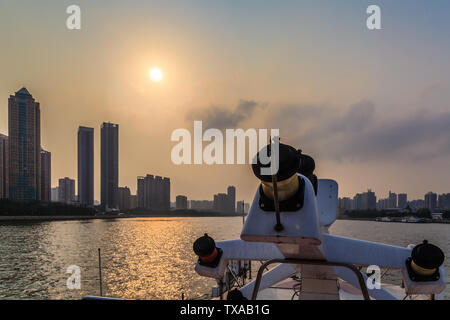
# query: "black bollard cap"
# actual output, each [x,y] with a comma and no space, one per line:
[427,255]
[204,246]
[307,165]
[289,163]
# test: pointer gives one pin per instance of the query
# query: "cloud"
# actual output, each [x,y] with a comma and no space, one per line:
[358,133]
[222,118]
[361,131]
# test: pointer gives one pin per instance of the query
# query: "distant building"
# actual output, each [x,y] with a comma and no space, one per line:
[344,204]
[86,166]
[133,201]
[246,207]
[444,201]
[225,202]
[431,201]
[205,205]
[54,196]
[153,192]
[124,198]
[66,190]
[24,124]
[357,203]
[181,202]
[402,200]
[221,203]
[4,167]
[231,192]
[392,200]
[369,200]
[415,205]
[46,176]
[109,165]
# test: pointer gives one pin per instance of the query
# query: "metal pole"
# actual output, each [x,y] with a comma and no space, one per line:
[278,227]
[100,271]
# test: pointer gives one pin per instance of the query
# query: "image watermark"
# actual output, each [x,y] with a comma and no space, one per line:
[73,22]
[235,140]
[374,20]
[74,280]
[374,280]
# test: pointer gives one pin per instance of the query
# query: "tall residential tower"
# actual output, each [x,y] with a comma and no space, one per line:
[86,166]
[109,165]
[24,121]
[4,167]
[46,176]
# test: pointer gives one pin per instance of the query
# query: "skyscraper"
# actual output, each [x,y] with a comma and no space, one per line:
[66,190]
[124,198]
[46,176]
[392,200]
[181,202]
[369,200]
[4,167]
[231,191]
[86,166]
[109,165]
[24,121]
[153,192]
[431,201]
[402,200]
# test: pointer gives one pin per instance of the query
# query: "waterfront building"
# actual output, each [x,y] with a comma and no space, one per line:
[124,198]
[4,167]
[86,166]
[109,165]
[181,202]
[46,176]
[66,190]
[24,139]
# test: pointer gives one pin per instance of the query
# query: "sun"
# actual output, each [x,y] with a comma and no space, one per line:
[156,74]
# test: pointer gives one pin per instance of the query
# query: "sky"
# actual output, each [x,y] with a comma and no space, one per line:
[372,107]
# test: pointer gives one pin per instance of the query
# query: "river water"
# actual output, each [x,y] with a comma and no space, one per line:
[146,258]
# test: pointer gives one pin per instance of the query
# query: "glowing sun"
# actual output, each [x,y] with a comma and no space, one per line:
[156,74]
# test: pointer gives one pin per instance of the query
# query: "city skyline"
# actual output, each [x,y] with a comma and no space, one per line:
[341,93]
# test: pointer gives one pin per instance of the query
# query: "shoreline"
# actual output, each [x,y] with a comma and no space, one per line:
[103,217]
[370,219]
[130,216]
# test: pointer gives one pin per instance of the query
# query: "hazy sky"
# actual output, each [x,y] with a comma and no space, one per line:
[372,107]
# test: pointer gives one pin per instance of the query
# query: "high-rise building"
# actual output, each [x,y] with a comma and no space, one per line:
[357,203]
[109,165]
[369,200]
[133,201]
[231,192]
[181,202]
[24,121]
[444,201]
[431,201]
[46,176]
[221,203]
[55,194]
[66,190]
[86,166]
[402,200]
[124,198]
[345,204]
[153,192]
[392,200]
[4,167]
